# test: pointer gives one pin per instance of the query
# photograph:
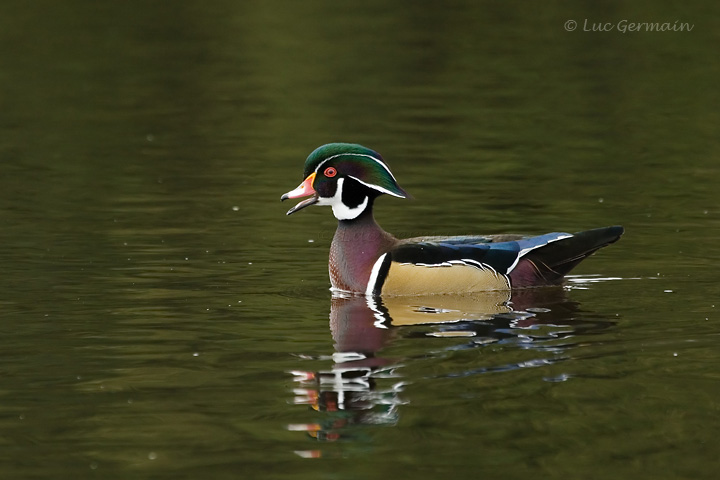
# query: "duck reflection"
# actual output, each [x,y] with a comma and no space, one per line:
[364,387]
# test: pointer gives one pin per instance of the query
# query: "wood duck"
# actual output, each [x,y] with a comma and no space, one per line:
[366,259]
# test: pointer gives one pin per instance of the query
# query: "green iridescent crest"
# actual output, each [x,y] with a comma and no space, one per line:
[355,161]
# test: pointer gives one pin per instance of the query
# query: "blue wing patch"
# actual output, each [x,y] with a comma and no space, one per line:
[501,257]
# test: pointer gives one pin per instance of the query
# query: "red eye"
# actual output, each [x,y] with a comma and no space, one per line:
[330,172]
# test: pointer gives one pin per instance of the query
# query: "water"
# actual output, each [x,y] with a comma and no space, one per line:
[164,319]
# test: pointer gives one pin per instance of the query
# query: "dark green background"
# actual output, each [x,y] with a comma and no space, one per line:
[155,296]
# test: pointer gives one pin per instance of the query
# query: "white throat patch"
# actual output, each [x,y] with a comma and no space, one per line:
[340,210]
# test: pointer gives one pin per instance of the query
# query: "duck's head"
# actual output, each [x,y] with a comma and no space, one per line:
[345,176]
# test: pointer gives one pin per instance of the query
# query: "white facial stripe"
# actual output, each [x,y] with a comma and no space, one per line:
[357,155]
[340,210]
[377,187]
[343,212]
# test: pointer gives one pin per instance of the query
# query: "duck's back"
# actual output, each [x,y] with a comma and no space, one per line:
[464,264]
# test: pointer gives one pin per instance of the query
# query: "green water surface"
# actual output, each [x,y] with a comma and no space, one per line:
[163,318]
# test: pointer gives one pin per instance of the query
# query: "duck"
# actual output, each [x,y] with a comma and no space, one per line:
[365,259]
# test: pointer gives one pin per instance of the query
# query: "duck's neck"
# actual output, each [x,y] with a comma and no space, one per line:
[357,244]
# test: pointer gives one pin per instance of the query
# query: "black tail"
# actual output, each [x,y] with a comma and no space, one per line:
[556,259]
